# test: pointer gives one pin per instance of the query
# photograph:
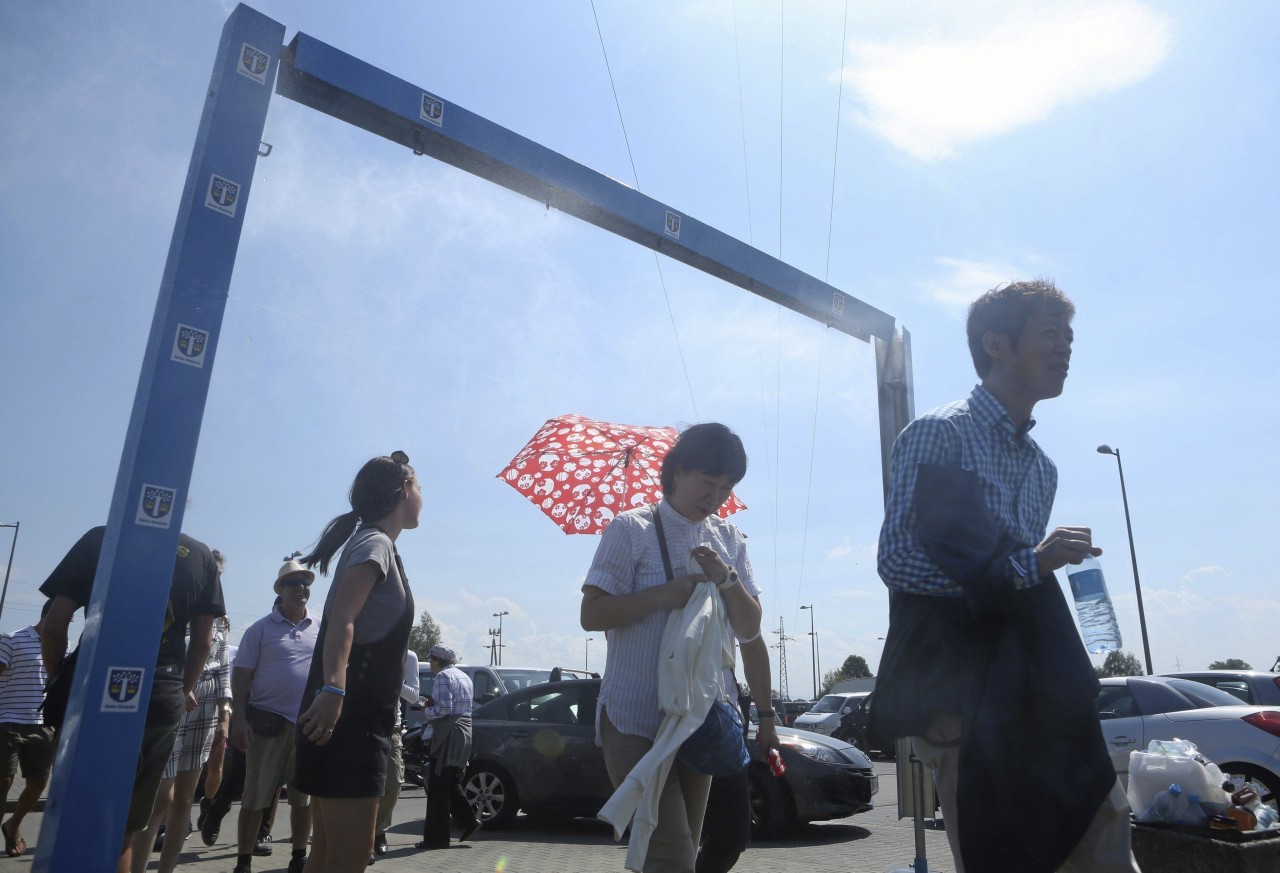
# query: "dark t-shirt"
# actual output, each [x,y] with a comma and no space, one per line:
[196,588]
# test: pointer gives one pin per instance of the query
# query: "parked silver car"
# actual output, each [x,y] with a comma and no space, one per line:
[1252,686]
[490,682]
[1134,710]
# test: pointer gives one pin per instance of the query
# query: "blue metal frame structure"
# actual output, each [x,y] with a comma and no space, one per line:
[94,772]
[98,744]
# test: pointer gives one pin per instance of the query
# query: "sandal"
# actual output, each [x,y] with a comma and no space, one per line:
[13,848]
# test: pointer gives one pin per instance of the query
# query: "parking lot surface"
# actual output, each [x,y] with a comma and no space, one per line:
[873,842]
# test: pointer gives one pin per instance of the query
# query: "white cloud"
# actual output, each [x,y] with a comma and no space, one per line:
[845,548]
[965,281]
[931,95]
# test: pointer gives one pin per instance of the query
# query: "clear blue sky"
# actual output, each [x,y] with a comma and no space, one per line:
[381,301]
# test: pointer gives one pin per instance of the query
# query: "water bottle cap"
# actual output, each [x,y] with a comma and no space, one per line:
[1175,789]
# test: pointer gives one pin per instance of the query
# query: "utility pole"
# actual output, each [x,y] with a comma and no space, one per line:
[783,692]
[813,650]
[495,642]
[12,545]
[499,646]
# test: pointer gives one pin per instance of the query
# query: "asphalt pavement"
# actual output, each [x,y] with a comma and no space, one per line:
[872,842]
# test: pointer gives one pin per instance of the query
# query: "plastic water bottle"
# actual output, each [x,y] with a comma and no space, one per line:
[1093,606]
[1193,813]
[1164,806]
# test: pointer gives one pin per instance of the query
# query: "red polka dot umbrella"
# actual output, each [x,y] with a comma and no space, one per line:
[582,472]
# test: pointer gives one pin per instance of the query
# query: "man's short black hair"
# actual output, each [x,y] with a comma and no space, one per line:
[707,448]
[1006,309]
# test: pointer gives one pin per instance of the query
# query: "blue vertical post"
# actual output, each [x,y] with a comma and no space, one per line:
[97,753]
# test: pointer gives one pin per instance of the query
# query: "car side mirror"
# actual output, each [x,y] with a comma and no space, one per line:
[846,710]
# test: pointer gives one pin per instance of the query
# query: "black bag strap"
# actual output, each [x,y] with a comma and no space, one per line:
[662,541]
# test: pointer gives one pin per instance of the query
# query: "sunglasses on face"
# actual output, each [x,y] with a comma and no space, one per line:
[295,582]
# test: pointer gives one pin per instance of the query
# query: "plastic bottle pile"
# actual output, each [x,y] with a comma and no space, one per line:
[1203,796]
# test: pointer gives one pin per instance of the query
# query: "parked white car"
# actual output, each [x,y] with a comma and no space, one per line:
[1134,710]
[1251,686]
[825,715]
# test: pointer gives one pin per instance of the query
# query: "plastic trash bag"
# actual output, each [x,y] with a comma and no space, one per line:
[1166,762]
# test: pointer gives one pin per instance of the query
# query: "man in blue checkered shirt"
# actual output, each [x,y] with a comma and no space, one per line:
[964,553]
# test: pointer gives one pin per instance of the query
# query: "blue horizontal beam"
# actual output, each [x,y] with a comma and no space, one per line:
[347,88]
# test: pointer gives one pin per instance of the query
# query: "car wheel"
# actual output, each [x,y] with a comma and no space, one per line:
[1269,781]
[770,804]
[492,794]
[415,767]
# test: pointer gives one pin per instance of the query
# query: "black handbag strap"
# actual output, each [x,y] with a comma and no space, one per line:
[662,542]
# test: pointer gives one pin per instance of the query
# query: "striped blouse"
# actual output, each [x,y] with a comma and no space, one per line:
[629,559]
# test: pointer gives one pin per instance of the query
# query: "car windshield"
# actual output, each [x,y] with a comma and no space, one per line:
[830,703]
[1204,695]
[515,678]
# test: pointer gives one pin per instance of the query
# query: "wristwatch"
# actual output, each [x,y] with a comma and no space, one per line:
[730,580]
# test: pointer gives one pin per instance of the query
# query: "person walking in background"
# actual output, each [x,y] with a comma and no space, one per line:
[195,600]
[409,693]
[268,681]
[24,739]
[628,595]
[448,711]
[213,765]
[208,711]
[977,621]
[344,733]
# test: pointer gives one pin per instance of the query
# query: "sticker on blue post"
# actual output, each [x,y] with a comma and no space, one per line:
[432,110]
[155,506]
[673,224]
[189,344]
[253,64]
[222,195]
[837,303]
[123,692]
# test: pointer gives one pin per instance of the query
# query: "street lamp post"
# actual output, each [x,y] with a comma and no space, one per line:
[12,545]
[498,616]
[813,650]
[1133,556]
[586,654]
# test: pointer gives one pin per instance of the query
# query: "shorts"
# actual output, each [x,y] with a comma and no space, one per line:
[164,712]
[195,731]
[30,745]
[269,760]
[352,764]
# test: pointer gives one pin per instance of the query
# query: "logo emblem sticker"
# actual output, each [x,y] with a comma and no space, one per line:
[123,690]
[155,506]
[432,110]
[837,303]
[253,64]
[673,225]
[189,345]
[221,195]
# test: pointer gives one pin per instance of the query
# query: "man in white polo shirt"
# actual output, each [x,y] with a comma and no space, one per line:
[268,678]
[24,739]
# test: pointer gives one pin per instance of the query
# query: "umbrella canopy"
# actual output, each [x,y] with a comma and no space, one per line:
[582,472]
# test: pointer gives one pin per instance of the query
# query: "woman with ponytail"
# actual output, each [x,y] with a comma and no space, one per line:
[349,708]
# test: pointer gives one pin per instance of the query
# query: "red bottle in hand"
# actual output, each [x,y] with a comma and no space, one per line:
[776,764]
